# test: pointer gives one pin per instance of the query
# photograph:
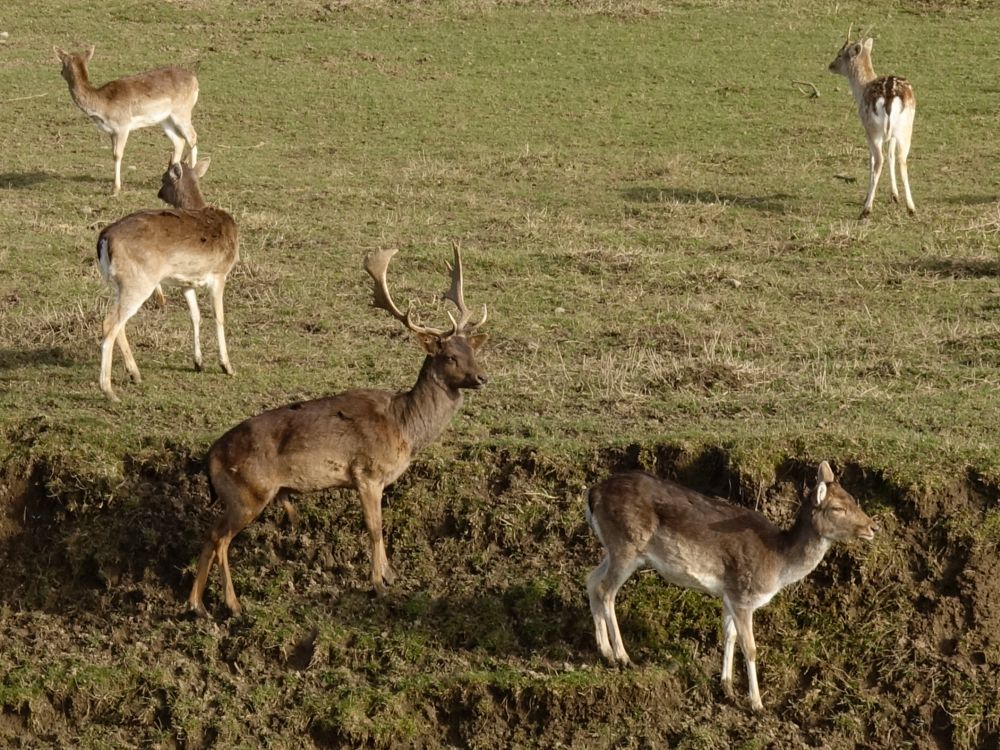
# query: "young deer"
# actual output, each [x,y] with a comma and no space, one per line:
[193,243]
[712,546]
[886,106]
[163,97]
[362,438]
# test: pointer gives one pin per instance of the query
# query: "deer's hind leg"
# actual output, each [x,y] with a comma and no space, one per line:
[243,503]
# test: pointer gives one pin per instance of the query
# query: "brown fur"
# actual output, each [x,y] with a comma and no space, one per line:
[362,439]
[193,243]
[709,545]
[164,97]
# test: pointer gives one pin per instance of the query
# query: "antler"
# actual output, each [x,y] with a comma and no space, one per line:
[454,294]
[376,264]
[849,29]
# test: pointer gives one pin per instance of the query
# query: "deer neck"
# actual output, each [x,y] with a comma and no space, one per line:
[427,408]
[804,548]
[192,199]
[84,95]
[861,74]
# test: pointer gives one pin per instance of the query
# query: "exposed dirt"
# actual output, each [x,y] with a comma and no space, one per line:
[487,642]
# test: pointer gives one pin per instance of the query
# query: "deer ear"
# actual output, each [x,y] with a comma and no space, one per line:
[176,171]
[477,341]
[430,343]
[202,167]
[868,44]
[856,49]
[820,493]
[60,53]
[89,53]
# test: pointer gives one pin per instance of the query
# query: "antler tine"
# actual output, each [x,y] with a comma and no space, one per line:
[849,30]
[456,295]
[377,265]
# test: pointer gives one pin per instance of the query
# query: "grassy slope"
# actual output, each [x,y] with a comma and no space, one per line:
[654,214]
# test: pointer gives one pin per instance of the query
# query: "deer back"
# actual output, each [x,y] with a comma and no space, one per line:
[311,445]
[137,101]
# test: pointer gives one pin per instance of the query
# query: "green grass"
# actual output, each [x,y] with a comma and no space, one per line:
[664,229]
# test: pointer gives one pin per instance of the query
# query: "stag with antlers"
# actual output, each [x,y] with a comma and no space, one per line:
[361,438]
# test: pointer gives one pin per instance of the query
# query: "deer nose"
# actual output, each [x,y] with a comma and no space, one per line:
[482,379]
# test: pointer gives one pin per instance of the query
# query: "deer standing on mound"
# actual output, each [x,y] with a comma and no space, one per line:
[887,107]
[163,97]
[194,244]
[362,439]
[709,545]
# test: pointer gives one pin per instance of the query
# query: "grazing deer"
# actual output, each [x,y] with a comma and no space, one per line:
[712,546]
[193,243]
[886,106]
[361,438]
[163,97]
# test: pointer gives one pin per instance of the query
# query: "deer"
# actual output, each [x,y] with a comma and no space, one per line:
[709,545]
[363,439]
[164,97]
[192,243]
[887,107]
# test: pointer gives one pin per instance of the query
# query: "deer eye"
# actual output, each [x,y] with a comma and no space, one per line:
[839,510]
[451,360]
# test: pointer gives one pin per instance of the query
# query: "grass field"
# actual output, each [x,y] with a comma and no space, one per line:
[664,227]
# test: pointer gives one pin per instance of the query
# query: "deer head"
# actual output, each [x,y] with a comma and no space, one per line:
[836,514]
[180,186]
[451,352]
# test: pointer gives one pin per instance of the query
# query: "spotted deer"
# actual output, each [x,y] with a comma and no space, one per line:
[887,107]
[709,545]
[163,97]
[362,439]
[193,244]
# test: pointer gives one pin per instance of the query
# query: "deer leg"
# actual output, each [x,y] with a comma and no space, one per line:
[617,573]
[291,515]
[122,308]
[597,609]
[126,350]
[118,141]
[371,509]
[875,161]
[175,138]
[217,287]
[183,126]
[242,505]
[891,149]
[903,150]
[729,638]
[743,620]
[192,300]
[205,561]
[160,299]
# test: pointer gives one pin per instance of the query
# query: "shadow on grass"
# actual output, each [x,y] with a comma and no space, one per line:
[12,359]
[972,200]
[22,180]
[957,268]
[776,203]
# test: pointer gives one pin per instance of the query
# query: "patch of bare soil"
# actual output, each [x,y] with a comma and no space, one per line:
[487,642]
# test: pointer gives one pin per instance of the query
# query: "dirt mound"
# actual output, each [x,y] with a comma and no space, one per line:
[487,641]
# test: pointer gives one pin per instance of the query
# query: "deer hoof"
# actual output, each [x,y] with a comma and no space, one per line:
[865,213]
[727,688]
[227,368]
[199,611]
[135,377]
